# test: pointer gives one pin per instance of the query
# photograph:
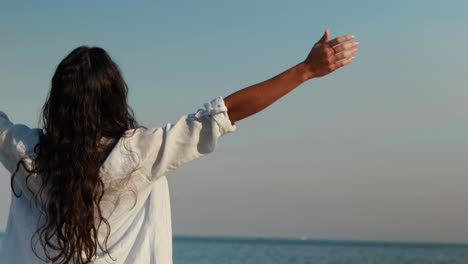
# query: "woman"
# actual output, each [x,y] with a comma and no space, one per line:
[90,187]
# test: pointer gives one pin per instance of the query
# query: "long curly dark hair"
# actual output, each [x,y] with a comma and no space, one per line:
[87,102]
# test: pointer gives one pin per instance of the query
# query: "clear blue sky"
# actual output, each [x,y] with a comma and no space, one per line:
[377,150]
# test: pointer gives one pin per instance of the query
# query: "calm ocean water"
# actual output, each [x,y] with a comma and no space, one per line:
[217,250]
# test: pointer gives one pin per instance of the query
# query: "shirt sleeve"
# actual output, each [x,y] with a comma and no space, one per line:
[16,141]
[191,137]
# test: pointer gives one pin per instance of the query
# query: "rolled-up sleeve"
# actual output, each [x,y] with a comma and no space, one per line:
[191,137]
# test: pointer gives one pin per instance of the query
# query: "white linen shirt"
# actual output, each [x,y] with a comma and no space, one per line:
[141,229]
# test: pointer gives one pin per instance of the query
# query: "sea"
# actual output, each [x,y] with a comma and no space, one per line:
[244,250]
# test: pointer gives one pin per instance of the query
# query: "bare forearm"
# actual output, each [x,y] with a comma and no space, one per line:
[325,57]
[255,98]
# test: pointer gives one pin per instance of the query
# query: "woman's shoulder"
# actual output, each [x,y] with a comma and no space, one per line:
[143,134]
[142,140]
[20,138]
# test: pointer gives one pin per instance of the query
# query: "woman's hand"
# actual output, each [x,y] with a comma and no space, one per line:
[327,56]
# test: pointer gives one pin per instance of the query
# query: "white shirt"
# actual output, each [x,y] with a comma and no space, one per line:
[141,230]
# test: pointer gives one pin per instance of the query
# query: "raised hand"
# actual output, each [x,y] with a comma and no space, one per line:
[328,55]
[325,57]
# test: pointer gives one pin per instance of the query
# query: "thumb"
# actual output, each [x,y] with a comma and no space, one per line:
[325,36]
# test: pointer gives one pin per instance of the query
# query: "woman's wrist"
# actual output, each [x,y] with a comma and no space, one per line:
[304,72]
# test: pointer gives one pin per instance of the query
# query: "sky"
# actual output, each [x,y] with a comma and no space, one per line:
[375,151]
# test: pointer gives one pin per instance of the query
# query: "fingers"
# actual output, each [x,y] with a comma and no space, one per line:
[339,40]
[342,63]
[328,55]
[346,46]
[325,37]
[345,54]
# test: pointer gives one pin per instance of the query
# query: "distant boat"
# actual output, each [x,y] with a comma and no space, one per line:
[303,238]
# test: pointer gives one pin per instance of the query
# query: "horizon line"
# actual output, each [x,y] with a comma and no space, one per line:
[308,241]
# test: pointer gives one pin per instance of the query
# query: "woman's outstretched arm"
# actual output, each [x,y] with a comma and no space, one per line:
[325,57]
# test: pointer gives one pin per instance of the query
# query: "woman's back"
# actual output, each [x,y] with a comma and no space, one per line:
[136,199]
